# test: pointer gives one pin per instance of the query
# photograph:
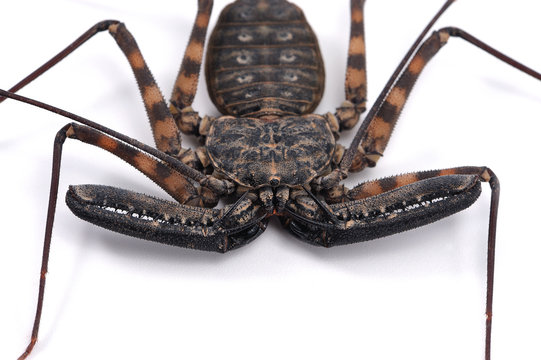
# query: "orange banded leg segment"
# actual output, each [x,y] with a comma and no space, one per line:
[136,214]
[188,77]
[381,126]
[349,112]
[388,206]
[355,158]
[380,122]
[367,189]
[164,129]
[165,132]
[175,184]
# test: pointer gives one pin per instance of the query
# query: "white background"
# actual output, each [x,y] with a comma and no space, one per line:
[417,295]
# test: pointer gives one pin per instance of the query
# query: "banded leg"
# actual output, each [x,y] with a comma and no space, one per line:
[375,132]
[218,186]
[164,129]
[140,215]
[354,159]
[187,119]
[341,194]
[181,188]
[349,112]
[395,204]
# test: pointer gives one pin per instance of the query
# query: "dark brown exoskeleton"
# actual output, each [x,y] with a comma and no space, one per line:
[268,152]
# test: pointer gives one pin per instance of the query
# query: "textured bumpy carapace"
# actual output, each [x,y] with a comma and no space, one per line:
[263,59]
[267,154]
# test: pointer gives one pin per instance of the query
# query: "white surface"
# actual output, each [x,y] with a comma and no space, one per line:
[417,295]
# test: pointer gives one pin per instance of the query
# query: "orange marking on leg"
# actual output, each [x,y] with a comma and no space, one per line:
[406,179]
[355,77]
[152,95]
[136,60]
[357,15]
[70,132]
[371,189]
[113,28]
[397,97]
[444,172]
[107,143]
[486,176]
[444,36]
[145,164]
[165,129]
[181,187]
[379,128]
[416,65]
[195,51]
[357,46]
[380,131]
[202,20]
[187,84]
[172,182]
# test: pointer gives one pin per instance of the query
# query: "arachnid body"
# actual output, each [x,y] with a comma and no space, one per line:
[279,201]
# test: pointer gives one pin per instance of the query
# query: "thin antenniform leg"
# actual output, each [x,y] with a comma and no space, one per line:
[486,175]
[341,172]
[349,112]
[386,206]
[376,130]
[164,128]
[99,27]
[219,186]
[171,181]
[491,257]
[53,195]
[51,210]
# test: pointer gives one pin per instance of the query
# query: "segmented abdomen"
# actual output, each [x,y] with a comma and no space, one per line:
[264,59]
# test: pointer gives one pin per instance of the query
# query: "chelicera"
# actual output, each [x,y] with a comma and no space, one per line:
[268,154]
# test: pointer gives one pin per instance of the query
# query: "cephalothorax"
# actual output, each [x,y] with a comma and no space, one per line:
[255,153]
[268,154]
